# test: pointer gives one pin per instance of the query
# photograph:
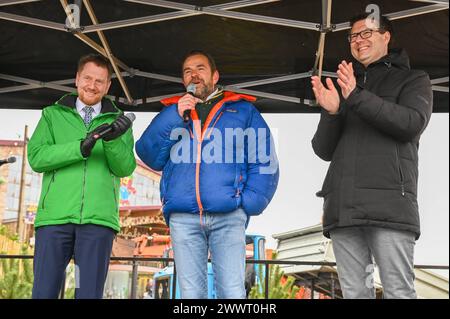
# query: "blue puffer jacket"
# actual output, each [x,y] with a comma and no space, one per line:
[203,170]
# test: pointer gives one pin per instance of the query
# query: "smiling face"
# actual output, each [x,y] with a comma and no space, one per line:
[369,50]
[92,83]
[196,70]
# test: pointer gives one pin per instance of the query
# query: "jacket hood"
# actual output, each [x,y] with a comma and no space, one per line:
[69,100]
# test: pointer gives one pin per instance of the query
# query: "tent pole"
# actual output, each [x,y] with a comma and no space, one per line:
[39,84]
[433,1]
[88,40]
[440,80]
[171,15]
[157,76]
[229,14]
[272,96]
[271,80]
[107,48]
[11,2]
[439,88]
[326,27]
[36,83]
[32,21]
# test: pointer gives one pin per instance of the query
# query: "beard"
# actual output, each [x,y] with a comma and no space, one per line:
[203,90]
[89,99]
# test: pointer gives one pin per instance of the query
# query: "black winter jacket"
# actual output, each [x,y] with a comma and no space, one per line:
[372,143]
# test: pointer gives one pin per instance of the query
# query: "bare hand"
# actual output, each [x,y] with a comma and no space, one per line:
[187,102]
[328,98]
[346,78]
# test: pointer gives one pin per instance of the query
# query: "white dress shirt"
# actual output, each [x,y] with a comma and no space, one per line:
[80,105]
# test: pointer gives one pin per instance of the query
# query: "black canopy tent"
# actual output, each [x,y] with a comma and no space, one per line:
[266,48]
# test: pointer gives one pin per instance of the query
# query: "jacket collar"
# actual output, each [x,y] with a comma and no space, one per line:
[227,97]
[69,101]
[396,57]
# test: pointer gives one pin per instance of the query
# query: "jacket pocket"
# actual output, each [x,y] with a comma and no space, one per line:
[330,210]
[241,177]
[52,180]
[377,171]
[400,170]
[328,181]
[114,189]
[238,192]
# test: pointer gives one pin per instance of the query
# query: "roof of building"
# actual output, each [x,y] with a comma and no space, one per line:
[11,143]
[139,210]
[298,232]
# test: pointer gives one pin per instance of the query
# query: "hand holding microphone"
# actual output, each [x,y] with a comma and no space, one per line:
[117,128]
[107,132]
[187,103]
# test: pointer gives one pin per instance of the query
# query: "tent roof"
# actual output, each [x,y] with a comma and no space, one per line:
[261,41]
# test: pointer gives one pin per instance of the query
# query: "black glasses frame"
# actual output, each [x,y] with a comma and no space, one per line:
[364,34]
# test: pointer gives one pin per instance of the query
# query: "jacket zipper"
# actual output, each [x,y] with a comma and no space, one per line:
[197,177]
[85,162]
[365,77]
[114,191]
[201,134]
[48,189]
[238,190]
[83,192]
[402,184]
[215,122]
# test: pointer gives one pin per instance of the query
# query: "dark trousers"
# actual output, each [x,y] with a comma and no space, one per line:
[89,245]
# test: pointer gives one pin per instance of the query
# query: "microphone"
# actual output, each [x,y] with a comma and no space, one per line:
[8,160]
[109,128]
[187,113]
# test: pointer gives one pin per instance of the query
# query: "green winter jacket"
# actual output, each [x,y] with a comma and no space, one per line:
[75,189]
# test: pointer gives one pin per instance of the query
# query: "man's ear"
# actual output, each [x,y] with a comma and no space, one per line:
[216,77]
[77,77]
[109,84]
[387,37]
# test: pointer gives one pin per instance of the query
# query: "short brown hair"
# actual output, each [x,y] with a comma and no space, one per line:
[98,60]
[211,62]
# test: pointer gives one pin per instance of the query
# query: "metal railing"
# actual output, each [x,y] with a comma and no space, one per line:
[136,260]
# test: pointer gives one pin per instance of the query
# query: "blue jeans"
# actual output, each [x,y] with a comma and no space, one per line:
[223,235]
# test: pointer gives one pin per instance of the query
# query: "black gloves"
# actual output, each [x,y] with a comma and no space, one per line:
[89,142]
[119,127]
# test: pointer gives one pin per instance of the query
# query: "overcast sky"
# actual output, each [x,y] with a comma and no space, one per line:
[295,205]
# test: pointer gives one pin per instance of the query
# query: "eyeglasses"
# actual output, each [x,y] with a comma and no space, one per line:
[365,34]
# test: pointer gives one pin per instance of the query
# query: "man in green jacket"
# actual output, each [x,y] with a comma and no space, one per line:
[82,162]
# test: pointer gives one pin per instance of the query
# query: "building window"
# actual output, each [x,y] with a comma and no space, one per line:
[147,191]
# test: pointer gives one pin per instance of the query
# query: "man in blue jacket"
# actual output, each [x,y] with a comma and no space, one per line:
[219,168]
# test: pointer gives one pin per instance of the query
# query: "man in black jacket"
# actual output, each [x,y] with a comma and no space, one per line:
[370,132]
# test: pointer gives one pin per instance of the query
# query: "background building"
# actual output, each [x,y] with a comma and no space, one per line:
[139,197]
[143,229]
[10,174]
[140,211]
